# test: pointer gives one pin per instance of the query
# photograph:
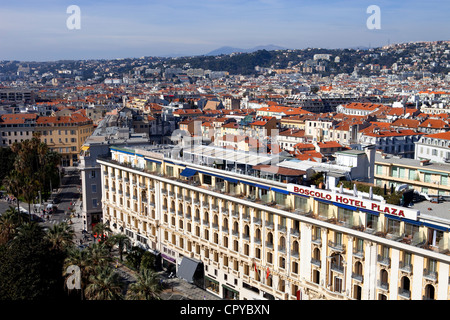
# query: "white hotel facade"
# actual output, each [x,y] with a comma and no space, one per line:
[255,238]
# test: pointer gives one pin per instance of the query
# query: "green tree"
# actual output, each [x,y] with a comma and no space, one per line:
[147,286]
[121,240]
[101,229]
[134,257]
[60,236]
[104,284]
[29,270]
[9,221]
[13,185]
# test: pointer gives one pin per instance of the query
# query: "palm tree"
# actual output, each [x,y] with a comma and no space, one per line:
[61,236]
[98,254]
[13,185]
[29,230]
[121,240]
[30,187]
[100,229]
[80,258]
[147,286]
[9,221]
[104,284]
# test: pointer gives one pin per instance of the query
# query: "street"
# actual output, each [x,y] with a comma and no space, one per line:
[67,194]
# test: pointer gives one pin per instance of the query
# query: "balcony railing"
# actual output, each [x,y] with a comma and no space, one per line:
[357,276]
[406,267]
[404,293]
[384,260]
[382,285]
[337,267]
[316,262]
[336,246]
[430,274]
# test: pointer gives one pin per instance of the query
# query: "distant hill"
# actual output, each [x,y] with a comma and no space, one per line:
[230,50]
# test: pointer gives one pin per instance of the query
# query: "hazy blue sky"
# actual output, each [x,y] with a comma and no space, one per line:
[36,30]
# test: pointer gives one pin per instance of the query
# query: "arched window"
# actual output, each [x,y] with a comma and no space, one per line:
[405,286]
[358,268]
[295,248]
[429,292]
[316,254]
[282,244]
[258,234]
[270,238]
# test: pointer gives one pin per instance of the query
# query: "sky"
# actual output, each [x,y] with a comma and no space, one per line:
[37,30]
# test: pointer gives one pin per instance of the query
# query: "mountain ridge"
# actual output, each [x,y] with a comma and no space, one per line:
[230,50]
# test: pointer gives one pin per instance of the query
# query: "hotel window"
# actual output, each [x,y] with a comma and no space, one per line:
[427,177]
[206,179]
[444,180]
[412,174]
[393,227]
[94,188]
[280,198]
[323,209]
[169,170]
[435,237]
[411,230]
[317,234]
[94,203]
[379,169]
[301,203]
[359,246]
[345,215]
[371,221]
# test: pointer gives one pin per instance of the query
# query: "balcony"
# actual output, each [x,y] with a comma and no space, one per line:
[430,274]
[295,232]
[336,246]
[315,262]
[337,267]
[405,267]
[404,293]
[357,277]
[382,285]
[386,261]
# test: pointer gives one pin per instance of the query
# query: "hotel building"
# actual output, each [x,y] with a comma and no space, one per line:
[255,236]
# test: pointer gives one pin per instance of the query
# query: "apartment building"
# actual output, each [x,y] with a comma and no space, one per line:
[420,175]
[399,142]
[259,238]
[16,128]
[16,95]
[65,135]
[434,147]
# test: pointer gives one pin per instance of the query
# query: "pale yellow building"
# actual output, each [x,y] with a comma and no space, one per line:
[255,238]
[65,135]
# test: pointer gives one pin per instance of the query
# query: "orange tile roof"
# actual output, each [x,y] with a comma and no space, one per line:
[441,135]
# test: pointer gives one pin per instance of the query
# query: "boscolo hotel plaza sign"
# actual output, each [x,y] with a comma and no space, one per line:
[355,202]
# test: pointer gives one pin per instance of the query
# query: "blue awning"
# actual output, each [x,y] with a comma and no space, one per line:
[249,183]
[280,191]
[344,206]
[413,222]
[262,187]
[392,217]
[188,172]
[151,160]
[231,180]
[375,213]
[324,201]
[433,226]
